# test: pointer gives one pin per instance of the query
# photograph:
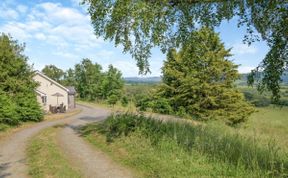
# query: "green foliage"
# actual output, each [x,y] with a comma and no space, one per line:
[256,99]
[201,79]
[69,78]
[112,99]
[143,101]
[216,144]
[112,85]
[8,113]
[17,95]
[124,101]
[88,78]
[93,84]
[141,25]
[53,72]
[161,105]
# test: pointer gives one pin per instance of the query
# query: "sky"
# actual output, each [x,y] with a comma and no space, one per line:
[60,33]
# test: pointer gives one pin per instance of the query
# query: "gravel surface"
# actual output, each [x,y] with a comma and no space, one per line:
[92,162]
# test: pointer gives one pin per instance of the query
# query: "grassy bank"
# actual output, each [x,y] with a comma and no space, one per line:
[45,159]
[172,149]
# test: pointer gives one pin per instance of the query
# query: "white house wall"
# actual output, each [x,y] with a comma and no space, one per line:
[50,88]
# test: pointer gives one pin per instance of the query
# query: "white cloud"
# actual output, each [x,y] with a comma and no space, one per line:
[8,13]
[240,48]
[76,2]
[60,26]
[40,36]
[56,33]
[22,9]
[245,69]
[16,30]
[127,68]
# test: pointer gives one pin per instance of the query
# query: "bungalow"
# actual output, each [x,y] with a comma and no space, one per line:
[51,93]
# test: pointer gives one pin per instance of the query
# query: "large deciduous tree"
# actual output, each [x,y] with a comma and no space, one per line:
[69,78]
[112,86]
[143,24]
[17,96]
[200,79]
[53,72]
[88,78]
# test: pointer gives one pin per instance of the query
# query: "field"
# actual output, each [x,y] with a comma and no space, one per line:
[269,124]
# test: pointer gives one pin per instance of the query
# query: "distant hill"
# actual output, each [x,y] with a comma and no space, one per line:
[243,79]
[155,80]
[149,80]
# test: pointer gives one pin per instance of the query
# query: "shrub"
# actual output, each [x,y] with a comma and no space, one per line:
[112,99]
[181,111]
[143,102]
[8,114]
[161,105]
[124,101]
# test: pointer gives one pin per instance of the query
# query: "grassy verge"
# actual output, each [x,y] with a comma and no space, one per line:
[171,149]
[268,124]
[45,159]
[11,130]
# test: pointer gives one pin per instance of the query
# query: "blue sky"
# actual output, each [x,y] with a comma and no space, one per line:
[60,33]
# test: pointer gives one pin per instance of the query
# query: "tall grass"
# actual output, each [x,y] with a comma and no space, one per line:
[228,147]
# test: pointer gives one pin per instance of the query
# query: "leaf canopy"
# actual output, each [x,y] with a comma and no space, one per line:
[140,25]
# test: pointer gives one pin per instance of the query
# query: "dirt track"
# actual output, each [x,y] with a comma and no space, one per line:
[93,163]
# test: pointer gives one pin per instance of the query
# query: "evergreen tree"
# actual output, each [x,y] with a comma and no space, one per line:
[200,79]
[17,95]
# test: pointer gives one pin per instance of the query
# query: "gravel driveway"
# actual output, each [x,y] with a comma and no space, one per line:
[92,162]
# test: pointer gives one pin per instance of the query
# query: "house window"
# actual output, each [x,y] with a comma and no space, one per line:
[44,99]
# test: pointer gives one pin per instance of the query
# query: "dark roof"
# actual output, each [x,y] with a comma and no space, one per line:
[71,90]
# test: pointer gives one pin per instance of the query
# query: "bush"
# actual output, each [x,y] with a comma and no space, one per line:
[161,105]
[124,101]
[143,102]
[217,145]
[181,111]
[112,99]
[8,114]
